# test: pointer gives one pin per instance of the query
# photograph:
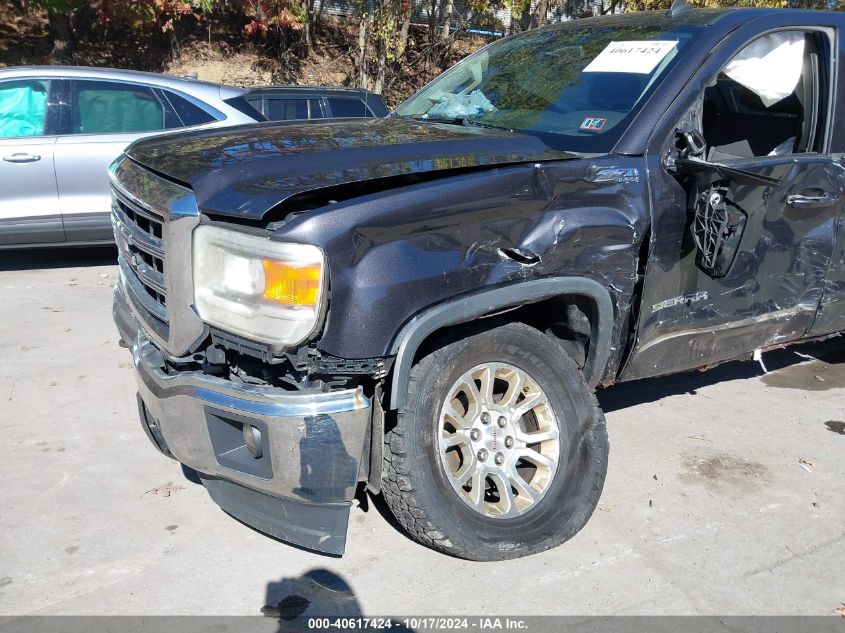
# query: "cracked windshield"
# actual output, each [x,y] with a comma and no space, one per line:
[569,81]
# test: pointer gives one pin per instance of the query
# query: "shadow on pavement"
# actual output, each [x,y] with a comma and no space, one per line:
[826,353]
[57,257]
[190,474]
[318,593]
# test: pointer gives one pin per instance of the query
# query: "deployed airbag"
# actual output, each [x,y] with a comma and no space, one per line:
[452,106]
[22,110]
[770,67]
[111,111]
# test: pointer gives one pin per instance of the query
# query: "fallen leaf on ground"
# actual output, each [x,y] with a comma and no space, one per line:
[165,490]
[840,611]
[806,461]
[67,329]
[698,437]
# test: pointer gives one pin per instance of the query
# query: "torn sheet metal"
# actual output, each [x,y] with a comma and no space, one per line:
[459,234]
[770,291]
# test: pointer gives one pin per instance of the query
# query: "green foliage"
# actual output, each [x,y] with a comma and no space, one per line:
[387,20]
[206,7]
[517,7]
[387,51]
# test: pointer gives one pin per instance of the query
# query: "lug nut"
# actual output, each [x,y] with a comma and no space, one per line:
[475,435]
[485,418]
[499,459]
[508,442]
[502,421]
[482,455]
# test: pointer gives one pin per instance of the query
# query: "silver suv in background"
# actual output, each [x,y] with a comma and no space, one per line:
[61,127]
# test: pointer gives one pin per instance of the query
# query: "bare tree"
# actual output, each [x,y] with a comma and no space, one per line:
[363,23]
[446,16]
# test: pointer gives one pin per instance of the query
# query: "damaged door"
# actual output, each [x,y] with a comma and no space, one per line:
[745,205]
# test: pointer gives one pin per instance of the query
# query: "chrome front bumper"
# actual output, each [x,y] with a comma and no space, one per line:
[300,487]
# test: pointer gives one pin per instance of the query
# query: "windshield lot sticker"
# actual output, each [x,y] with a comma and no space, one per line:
[592,124]
[630,57]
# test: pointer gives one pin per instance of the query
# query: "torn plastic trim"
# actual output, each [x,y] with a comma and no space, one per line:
[466,308]
[778,315]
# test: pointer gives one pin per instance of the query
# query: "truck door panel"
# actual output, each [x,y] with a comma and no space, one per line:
[686,314]
[795,231]
[831,315]
[781,197]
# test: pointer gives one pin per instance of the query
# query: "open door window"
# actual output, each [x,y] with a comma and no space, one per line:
[766,100]
[769,102]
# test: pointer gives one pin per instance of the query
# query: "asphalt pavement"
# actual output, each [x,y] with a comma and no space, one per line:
[724,493]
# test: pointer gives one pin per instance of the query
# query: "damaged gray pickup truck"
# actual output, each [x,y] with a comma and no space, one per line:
[425,303]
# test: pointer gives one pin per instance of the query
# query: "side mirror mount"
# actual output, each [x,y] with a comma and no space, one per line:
[690,162]
[689,144]
[707,170]
[692,144]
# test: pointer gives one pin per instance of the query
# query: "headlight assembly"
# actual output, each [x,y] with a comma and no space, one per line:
[263,290]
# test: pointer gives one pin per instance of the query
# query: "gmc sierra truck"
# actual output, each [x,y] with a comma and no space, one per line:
[424,304]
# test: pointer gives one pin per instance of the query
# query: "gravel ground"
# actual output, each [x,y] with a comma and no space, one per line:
[724,494]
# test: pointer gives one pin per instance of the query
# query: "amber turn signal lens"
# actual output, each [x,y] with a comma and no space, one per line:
[293,285]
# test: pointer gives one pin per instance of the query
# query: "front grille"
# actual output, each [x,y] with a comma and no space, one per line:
[154,219]
[139,233]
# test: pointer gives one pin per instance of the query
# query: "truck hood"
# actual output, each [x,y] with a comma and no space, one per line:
[247,170]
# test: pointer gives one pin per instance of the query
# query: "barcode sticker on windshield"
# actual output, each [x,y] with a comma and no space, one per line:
[630,57]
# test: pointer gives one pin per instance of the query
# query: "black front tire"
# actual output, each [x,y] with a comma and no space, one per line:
[417,489]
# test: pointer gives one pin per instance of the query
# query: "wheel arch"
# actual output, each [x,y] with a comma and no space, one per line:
[467,307]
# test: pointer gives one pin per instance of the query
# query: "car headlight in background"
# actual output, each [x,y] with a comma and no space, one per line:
[263,290]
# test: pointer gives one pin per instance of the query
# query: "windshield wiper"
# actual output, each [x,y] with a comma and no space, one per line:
[458,120]
[476,123]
